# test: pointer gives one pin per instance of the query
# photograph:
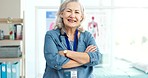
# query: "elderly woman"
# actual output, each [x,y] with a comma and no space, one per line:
[69,52]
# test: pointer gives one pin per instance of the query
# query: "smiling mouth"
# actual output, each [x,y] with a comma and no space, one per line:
[72,21]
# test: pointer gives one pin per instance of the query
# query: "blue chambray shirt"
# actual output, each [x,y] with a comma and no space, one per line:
[55,42]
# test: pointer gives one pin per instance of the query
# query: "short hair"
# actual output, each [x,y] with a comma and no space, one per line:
[59,21]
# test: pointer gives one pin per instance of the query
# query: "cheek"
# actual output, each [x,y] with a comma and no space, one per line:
[64,20]
[66,15]
[79,18]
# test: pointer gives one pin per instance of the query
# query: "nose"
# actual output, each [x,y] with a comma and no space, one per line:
[72,15]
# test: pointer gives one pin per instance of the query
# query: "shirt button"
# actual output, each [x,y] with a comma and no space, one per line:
[55,66]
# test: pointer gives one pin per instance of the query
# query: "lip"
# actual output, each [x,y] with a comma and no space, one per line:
[71,20]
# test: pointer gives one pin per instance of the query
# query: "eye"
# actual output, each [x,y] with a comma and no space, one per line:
[77,12]
[68,11]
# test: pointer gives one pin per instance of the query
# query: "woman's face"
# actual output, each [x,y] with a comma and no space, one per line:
[72,15]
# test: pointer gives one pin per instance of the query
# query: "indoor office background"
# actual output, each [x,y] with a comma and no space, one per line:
[122,40]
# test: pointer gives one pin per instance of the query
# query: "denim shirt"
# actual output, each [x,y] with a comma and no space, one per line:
[55,42]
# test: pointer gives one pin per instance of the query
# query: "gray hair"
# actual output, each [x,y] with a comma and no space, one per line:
[59,21]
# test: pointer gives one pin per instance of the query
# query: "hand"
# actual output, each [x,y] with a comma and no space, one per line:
[61,53]
[91,48]
[81,29]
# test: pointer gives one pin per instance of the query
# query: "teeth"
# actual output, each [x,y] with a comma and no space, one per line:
[71,20]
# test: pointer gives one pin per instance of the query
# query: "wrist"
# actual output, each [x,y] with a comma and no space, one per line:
[65,53]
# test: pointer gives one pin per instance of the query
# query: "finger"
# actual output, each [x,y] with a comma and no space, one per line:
[61,53]
[93,48]
[90,48]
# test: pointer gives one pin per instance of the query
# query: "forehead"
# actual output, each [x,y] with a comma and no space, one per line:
[73,6]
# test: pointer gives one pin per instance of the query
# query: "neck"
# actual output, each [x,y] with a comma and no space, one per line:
[70,33]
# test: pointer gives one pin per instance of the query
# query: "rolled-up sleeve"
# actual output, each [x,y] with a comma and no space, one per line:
[95,57]
[53,58]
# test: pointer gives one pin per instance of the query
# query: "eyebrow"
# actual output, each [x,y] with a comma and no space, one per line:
[71,9]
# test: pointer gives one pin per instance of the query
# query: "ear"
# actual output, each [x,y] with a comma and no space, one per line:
[82,17]
[61,14]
